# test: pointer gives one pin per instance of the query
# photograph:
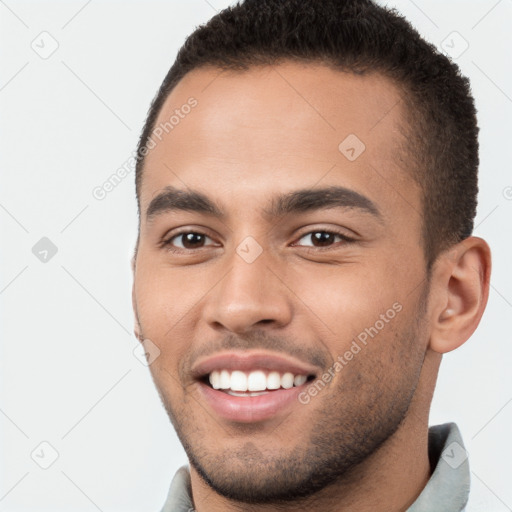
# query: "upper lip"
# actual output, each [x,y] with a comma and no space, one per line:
[251,360]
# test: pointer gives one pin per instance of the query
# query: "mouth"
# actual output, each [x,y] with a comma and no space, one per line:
[254,383]
[250,387]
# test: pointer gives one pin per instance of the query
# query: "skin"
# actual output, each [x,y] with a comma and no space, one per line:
[254,135]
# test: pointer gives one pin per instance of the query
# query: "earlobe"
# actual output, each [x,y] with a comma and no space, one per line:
[462,278]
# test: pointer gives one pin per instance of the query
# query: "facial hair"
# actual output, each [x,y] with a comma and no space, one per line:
[361,409]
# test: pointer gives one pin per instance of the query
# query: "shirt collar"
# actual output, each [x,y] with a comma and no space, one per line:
[448,487]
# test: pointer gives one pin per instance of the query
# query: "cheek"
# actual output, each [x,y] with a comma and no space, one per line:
[167,307]
[347,300]
[164,297]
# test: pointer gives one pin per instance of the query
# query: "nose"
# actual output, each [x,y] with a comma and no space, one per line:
[249,295]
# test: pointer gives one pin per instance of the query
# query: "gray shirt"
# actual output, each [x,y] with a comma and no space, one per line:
[447,490]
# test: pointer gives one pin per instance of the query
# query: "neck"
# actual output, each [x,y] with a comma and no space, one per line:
[390,479]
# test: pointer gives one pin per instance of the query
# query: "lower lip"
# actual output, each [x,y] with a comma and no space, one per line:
[250,409]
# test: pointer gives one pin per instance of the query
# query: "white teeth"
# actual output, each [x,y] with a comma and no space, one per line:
[225,379]
[257,381]
[215,380]
[287,380]
[273,380]
[238,381]
[235,393]
[254,383]
[299,380]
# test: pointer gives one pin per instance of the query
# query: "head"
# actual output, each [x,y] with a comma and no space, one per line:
[309,210]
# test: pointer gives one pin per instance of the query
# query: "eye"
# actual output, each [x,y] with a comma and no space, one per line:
[187,240]
[322,238]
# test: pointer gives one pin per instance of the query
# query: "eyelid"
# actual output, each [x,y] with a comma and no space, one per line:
[333,231]
[171,235]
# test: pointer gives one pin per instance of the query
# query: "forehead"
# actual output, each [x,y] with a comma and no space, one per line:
[277,128]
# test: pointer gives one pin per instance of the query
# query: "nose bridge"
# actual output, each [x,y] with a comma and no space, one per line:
[249,292]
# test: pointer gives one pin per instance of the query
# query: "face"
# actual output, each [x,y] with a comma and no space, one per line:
[280,273]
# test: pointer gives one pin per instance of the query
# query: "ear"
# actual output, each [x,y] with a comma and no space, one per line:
[136,325]
[461,278]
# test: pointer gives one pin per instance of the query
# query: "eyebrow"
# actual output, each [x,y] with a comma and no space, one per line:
[301,201]
[174,199]
[297,201]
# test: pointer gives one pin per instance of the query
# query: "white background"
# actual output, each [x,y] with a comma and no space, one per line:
[68,375]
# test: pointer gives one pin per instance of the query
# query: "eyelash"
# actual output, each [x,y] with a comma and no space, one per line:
[344,238]
[168,242]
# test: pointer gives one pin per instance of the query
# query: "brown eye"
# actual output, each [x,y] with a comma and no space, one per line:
[322,239]
[188,240]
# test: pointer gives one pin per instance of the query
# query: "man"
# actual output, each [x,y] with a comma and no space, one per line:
[307,186]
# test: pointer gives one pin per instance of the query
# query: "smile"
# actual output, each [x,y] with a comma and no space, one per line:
[255,383]
[252,387]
